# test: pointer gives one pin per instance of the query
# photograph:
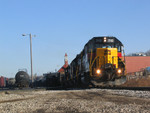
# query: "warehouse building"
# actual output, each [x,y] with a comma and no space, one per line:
[136,63]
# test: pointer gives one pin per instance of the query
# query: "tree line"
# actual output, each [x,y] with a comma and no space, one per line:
[147,53]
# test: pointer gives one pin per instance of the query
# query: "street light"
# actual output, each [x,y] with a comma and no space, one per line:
[30,54]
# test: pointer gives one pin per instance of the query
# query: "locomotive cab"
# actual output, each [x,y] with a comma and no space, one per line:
[100,60]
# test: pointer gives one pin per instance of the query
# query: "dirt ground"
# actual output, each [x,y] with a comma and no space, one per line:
[139,82]
[83,101]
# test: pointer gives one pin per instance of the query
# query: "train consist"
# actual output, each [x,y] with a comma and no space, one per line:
[101,60]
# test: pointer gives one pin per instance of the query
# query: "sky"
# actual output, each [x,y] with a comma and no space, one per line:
[65,26]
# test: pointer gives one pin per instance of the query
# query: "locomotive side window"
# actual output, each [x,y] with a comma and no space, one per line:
[118,47]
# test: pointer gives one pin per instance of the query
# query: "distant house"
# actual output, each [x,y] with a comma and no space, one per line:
[139,54]
[61,70]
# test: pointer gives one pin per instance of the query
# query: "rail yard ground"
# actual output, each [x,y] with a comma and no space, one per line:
[68,101]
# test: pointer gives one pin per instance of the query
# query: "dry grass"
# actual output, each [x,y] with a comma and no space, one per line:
[141,82]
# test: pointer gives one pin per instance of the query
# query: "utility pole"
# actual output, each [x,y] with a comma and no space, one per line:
[30,35]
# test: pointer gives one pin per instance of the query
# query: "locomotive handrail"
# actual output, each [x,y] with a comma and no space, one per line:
[77,73]
[91,56]
[90,62]
[92,65]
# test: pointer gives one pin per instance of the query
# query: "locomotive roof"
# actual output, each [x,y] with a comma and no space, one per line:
[101,37]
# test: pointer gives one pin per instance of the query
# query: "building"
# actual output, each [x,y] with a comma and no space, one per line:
[136,63]
[61,70]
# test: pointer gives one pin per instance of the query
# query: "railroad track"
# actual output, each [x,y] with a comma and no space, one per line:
[23,89]
[63,88]
[103,87]
[125,88]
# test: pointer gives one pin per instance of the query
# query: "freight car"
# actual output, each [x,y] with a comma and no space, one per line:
[11,83]
[101,60]
[22,79]
[52,79]
[39,81]
[3,82]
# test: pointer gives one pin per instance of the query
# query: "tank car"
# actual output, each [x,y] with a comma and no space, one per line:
[101,60]
[22,79]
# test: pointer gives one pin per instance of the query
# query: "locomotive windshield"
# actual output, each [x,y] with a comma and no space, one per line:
[104,46]
[108,46]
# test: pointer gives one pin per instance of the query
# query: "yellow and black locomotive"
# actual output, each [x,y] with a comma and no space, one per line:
[102,59]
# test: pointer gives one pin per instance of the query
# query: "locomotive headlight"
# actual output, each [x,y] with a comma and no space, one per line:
[98,71]
[119,71]
[105,39]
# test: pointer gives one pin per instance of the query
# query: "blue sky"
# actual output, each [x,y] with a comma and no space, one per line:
[64,26]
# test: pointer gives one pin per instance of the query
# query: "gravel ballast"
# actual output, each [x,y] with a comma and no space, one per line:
[84,101]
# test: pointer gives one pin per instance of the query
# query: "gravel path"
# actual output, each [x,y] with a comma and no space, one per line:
[84,101]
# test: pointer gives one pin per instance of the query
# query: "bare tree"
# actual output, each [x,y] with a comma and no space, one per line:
[147,53]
